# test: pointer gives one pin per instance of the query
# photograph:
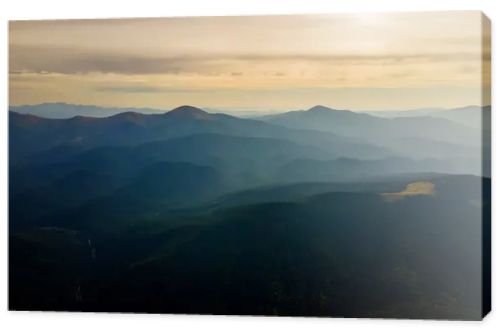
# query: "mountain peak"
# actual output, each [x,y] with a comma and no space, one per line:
[188,111]
[127,116]
[319,108]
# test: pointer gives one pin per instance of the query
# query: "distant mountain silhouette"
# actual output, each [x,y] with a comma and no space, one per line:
[190,112]
[66,110]
[348,123]
[31,134]
[469,116]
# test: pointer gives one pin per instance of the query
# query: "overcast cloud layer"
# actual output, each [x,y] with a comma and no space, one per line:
[366,61]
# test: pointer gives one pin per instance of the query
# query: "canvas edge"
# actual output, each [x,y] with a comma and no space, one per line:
[486,165]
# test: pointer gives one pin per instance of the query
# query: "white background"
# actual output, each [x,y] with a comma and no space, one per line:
[43,322]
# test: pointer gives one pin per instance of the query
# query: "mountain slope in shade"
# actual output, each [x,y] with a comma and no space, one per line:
[306,255]
[173,182]
[95,195]
[345,169]
[243,160]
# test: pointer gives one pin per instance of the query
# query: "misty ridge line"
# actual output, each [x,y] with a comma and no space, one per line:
[63,110]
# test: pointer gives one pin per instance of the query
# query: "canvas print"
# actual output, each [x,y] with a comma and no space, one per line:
[299,165]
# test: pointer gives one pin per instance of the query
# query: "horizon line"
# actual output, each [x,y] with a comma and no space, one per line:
[215,109]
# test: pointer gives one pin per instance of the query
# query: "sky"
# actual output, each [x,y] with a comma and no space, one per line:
[371,61]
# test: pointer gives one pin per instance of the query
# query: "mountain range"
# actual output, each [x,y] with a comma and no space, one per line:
[311,212]
[468,116]
[66,110]
[332,133]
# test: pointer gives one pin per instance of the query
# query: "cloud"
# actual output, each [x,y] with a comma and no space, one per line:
[68,60]
[145,89]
